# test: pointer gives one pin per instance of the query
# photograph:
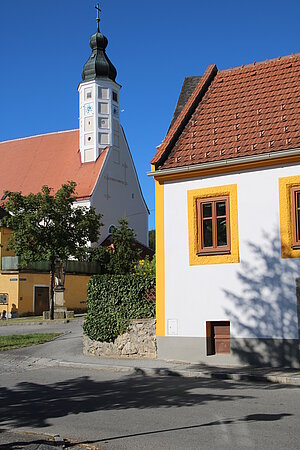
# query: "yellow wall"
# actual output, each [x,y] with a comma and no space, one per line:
[27,283]
[20,292]
[9,284]
[76,291]
[160,259]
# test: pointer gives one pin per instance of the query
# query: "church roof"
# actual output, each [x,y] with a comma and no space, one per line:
[48,159]
[244,111]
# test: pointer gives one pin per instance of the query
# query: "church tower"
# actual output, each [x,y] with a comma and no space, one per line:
[99,117]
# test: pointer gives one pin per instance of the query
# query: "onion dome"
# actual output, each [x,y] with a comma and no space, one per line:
[98,65]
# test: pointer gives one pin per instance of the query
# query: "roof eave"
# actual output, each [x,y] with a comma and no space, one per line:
[225,162]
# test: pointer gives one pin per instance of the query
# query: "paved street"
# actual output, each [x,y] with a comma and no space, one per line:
[110,409]
[124,412]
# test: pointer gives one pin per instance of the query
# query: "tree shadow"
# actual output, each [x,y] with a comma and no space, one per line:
[33,405]
[229,421]
[264,313]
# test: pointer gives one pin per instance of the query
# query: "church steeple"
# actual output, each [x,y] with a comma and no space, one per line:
[98,65]
[99,100]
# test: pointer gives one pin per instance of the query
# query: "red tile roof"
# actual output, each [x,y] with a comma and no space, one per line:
[52,159]
[248,110]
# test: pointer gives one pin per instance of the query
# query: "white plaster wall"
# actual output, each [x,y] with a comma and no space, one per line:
[112,196]
[258,294]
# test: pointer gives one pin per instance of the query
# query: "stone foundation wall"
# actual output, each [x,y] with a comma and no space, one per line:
[138,342]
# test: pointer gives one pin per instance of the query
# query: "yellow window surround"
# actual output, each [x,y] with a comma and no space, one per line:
[286,224]
[216,191]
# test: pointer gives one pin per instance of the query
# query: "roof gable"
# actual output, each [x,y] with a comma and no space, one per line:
[244,111]
[50,159]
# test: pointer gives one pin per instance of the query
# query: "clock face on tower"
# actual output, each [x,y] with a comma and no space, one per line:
[88,109]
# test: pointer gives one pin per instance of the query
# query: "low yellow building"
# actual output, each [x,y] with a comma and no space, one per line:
[28,289]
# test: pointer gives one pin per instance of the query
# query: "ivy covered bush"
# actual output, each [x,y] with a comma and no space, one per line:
[113,300]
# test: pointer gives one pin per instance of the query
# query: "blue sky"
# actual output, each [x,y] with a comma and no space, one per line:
[153,45]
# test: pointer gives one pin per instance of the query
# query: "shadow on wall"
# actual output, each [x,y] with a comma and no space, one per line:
[266,310]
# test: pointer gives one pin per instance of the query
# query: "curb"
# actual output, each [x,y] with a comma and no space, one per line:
[186,373]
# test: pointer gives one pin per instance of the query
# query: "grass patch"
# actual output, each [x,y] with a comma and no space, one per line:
[20,320]
[25,340]
[37,319]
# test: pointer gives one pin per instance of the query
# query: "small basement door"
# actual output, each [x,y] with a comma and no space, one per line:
[41,300]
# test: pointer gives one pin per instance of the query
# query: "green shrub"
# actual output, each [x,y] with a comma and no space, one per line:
[145,266]
[113,300]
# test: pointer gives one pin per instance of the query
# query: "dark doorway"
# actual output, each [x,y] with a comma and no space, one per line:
[218,337]
[41,300]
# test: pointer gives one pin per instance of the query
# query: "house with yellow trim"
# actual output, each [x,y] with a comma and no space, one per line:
[227,189]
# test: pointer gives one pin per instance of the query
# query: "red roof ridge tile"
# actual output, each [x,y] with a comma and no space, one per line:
[259,63]
[39,135]
[186,112]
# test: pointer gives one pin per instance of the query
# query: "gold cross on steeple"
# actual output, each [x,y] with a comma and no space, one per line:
[98,17]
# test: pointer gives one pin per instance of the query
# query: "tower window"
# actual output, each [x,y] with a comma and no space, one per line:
[103,122]
[103,93]
[103,138]
[88,94]
[103,108]
[115,97]
[88,139]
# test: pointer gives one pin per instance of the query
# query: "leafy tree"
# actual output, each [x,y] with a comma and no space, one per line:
[101,255]
[152,239]
[48,227]
[125,253]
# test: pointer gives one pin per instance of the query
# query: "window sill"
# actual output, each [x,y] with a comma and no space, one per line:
[217,252]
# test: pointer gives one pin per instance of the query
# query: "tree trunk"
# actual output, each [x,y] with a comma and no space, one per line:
[52,273]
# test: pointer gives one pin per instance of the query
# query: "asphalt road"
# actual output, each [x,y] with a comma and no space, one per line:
[111,410]
[114,411]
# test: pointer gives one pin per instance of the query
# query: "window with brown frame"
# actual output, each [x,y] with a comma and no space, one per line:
[213,225]
[295,193]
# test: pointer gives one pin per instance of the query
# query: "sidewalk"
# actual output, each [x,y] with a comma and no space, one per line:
[11,440]
[168,368]
[66,351]
[155,367]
